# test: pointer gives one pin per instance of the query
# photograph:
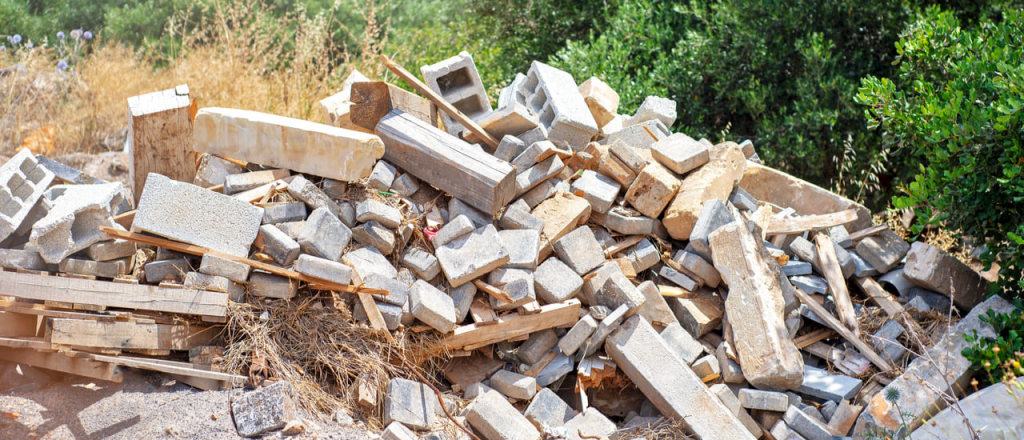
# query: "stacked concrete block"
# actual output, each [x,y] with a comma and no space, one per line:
[324,235]
[599,190]
[72,223]
[170,209]
[22,183]
[458,82]
[654,107]
[552,95]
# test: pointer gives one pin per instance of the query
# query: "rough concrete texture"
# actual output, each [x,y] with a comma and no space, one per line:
[714,180]
[523,246]
[22,259]
[580,250]
[382,176]
[887,344]
[374,234]
[707,367]
[421,262]
[929,267]
[232,270]
[599,190]
[514,385]
[323,268]
[655,107]
[678,278]
[472,255]
[626,222]
[601,99]
[628,156]
[409,403]
[644,255]
[405,185]
[457,227]
[577,335]
[24,182]
[781,189]
[680,153]
[553,96]
[279,141]
[590,424]
[652,190]
[368,260]
[562,213]
[997,408]
[398,291]
[111,250]
[883,251]
[671,386]
[548,410]
[457,207]
[765,400]
[700,314]
[111,269]
[263,410]
[324,235]
[458,82]
[542,171]
[73,223]
[272,286]
[509,148]
[432,306]
[918,401]
[496,419]
[212,171]
[278,245]
[756,307]
[823,385]
[313,197]
[682,343]
[284,212]
[292,229]
[169,209]
[655,309]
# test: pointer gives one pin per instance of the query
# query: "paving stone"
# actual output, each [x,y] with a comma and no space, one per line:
[755,305]
[278,245]
[883,251]
[682,343]
[236,183]
[409,403]
[917,303]
[314,198]
[698,268]
[714,180]
[782,431]
[509,147]
[457,207]
[324,235]
[555,371]
[397,431]
[533,176]
[166,270]
[731,371]
[370,209]
[678,278]
[514,385]
[764,400]
[577,335]
[382,176]
[548,410]
[655,107]
[637,136]
[619,291]
[652,190]
[398,291]
[323,268]
[680,153]
[458,227]
[496,419]
[673,388]
[22,259]
[828,409]
[516,218]
[521,291]
[291,229]
[599,190]
[580,250]
[533,154]
[523,246]
[890,331]
[263,410]
[590,424]
[432,306]
[334,189]
[810,283]
[476,389]
[25,182]
[713,215]
[601,99]
[272,286]
[111,250]
[462,297]
[376,235]
[628,156]
[232,270]
[929,267]
[733,404]
[347,214]
[393,315]
[840,236]
[212,170]
[604,238]
[111,269]
[819,383]
[655,309]
[369,260]
[644,255]
[213,283]
[743,200]
[472,255]
[284,212]
[706,366]
[861,266]
[806,425]
[796,267]
[422,263]
[700,314]
[540,344]
[552,95]
[626,222]
[405,185]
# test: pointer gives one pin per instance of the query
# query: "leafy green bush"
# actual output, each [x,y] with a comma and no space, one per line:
[957,102]
[999,356]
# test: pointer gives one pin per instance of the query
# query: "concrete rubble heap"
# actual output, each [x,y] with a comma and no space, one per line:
[584,277]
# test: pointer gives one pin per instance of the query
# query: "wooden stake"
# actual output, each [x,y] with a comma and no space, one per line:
[836,283]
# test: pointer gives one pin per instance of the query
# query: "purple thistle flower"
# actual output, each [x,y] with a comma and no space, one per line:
[87,35]
[60,34]
[61,65]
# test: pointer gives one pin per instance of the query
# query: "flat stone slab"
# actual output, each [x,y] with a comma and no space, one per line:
[279,141]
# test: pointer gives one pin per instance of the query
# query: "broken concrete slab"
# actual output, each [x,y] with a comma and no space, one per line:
[652,190]
[263,410]
[472,255]
[782,189]
[73,223]
[168,208]
[409,403]
[883,251]
[457,80]
[279,141]
[714,180]
[756,307]
[673,388]
[496,419]
[929,267]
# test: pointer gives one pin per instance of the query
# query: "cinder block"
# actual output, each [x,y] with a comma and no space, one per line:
[278,245]
[680,153]
[374,234]
[170,209]
[555,281]
[111,250]
[552,95]
[654,107]
[324,235]
[232,270]
[72,223]
[284,212]
[323,269]
[22,183]
[472,255]
[272,286]
[580,250]
[458,82]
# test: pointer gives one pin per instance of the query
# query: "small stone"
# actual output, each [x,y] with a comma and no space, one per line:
[457,207]
[293,427]
[765,400]
[580,250]
[432,306]
[405,185]
[655,309]
[370,209]
[644,255]
[514,385]
[713,216]
[625,221]
[605,328]
[334,189]
[840,236]
[213,283]
[263,410]
[462,297]
[700,314]
[655,107]
[733,404]
[101,269]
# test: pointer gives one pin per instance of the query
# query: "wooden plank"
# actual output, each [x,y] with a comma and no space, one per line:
[128,335]
[497,293]
[160,133]
[675,292]
[865,233]
[17,325]
[623,245]
[105,293]
[812,337]
[446,162]
[63,363]
[442,103]
[836,282]
[199,250]
[481,313]
[375,99]
[260,192]
[552,315]
[832,322]
[42,310]
[33,343]
[626,267]
[793,225]
[168,367]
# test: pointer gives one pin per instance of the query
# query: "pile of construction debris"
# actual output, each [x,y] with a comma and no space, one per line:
[587,272]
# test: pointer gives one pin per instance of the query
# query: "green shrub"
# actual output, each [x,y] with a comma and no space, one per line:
[999,356]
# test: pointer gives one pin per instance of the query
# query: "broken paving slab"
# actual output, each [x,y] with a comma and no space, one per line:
[714,180]
[929,267]
[279,141]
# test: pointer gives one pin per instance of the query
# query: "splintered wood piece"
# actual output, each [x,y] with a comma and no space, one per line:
[834,323]
[812,337]
[497,293]
[836,282]
[161,137]
[623,245]
[563,314]
[675,292]
[626,267]
[443,104]
[370,306]
[793,225]
[530,308]
[199,250]
[481,313]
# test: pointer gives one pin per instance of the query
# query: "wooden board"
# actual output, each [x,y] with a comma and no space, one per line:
[812,337]
[446,162]
[168,367]
[836,282]
[16,325]
[42,310]
[128,335]
[109,294]
[33,343]
[793,225]
[199,250]
[375,99]
[63,363]
[497,293]
[831,321]
[481,313]
[160,134]
[514,325]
